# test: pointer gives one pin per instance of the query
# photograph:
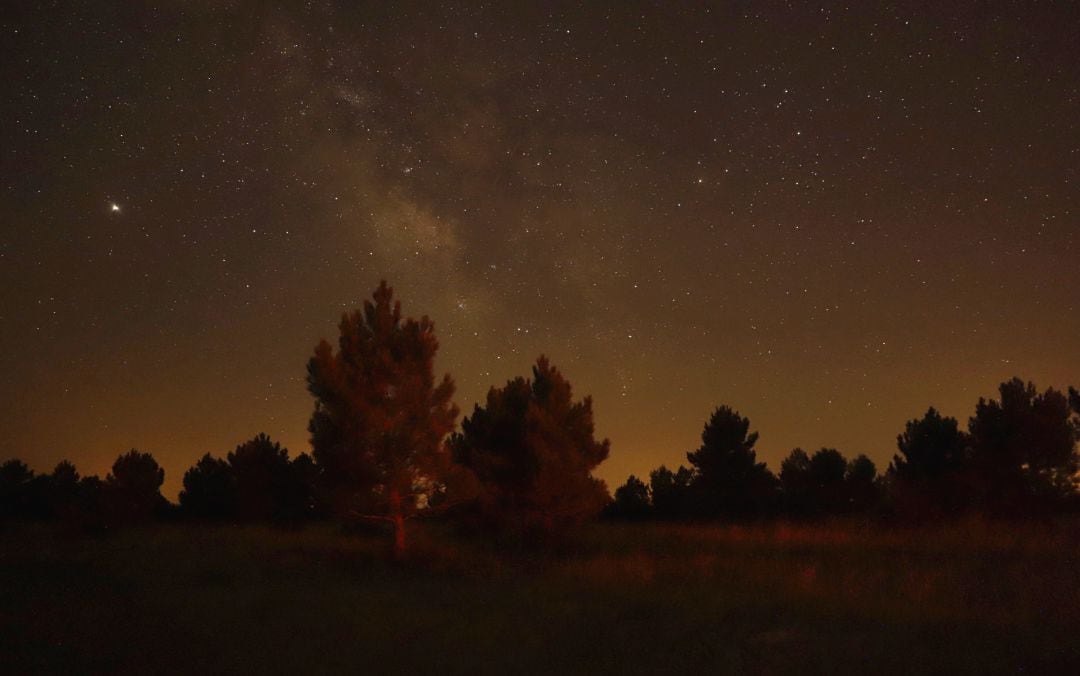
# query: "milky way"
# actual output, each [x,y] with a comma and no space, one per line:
[827,217]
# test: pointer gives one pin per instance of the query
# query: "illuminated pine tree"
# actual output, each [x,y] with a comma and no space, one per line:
[380,417]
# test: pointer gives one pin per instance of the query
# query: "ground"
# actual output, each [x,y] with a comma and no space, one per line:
[619,598]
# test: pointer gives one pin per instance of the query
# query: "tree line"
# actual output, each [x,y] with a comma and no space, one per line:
[386,448]
[1017,458]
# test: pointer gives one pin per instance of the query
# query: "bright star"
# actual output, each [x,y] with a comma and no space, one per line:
[114,207]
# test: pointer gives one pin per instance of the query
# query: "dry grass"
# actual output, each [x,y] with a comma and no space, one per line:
[620,598]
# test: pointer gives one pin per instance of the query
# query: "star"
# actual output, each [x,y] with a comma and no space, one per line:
[554,202]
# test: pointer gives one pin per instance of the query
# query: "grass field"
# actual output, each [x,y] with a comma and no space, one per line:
[623,598]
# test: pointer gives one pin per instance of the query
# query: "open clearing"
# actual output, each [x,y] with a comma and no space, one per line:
[621,598]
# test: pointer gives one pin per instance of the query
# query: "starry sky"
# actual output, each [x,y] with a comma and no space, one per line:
[829,216]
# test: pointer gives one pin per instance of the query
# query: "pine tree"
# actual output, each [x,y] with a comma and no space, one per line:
[863,486]
[1024,448]
[380,418]
[796,486]
[671,492]
[631,501]
[63,490]
[532,450]
[133,487]
[260,470]
[729,480]
[828,468]
[15,482]
[930,474]
[209,489]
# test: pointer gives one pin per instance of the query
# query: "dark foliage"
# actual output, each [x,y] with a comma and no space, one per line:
[1023,449]
[93,510]
[260,469]
[631,501]
[825,484]
[20,491]
[257,482]
[76,500]
[133,488]
[301,494]
[796,488]
[209,489]
[863,485]
[524,460]
[62,493]
[671,492]
[828,473]
[930,477]
[729,481]
[531,447]
[931,446]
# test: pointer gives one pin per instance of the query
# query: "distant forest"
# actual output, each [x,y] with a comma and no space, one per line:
[386,447]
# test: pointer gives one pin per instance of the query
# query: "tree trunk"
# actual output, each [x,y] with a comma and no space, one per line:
[399,525]
[399,537]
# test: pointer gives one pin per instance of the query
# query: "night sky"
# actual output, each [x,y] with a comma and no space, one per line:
[828,217]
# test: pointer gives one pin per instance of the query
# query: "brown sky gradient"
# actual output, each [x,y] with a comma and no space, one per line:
[827,218]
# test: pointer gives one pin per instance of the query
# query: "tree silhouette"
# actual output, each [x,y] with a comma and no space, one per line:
[828,471]
[631,500]
[300,499]
[92,509]
[64,475]
[62,492]
[671,492]
[930,447]
[796,486]
[133,487]
[1023,448]
[863,489]
[209,489]
[257,481]
[260,469]
[380,418]
[729,480]
[15,489]
[826,484]
[929,474]
[532,450]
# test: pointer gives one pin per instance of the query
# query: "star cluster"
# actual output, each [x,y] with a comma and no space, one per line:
[828,216]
